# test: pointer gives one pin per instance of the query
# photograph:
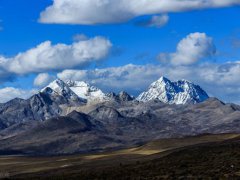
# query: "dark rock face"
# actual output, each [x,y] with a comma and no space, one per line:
[121,97]
[15,111]
[118,125]
[124,96]
[54,136]
[39,107]
[2,125]
[44,105]
[111,95]
[104,112]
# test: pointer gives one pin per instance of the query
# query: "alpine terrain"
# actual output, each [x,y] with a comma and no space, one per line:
[71,117]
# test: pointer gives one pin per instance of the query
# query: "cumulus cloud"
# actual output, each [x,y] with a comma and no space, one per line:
[191,49]
[9,93]
[219,80]
[117,11]
[43,79]
[80,37]
[155,21]
[47,57]
[116,78]
[4,74]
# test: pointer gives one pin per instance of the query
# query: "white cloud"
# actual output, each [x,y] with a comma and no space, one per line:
[80,37]
[4,74]
[46,56]
[9,93]
[117,78]
[191,49]
[219,80]
[159,21]
[43,79]
[116,11]
[155,21]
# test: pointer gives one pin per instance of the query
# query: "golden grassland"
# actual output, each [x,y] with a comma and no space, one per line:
[17,166]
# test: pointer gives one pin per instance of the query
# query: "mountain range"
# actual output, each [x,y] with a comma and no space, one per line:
[180,92]
[71,117]
[59,98]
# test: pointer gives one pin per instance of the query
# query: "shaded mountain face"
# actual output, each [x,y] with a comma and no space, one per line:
[124,97]
[180,92]
[58,88]
[114,125]
[52,100]
[60,135]
[121,97]
[46,104]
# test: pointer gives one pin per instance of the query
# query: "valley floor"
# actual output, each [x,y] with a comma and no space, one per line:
[206,156]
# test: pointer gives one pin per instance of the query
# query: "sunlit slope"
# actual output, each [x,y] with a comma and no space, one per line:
[14,165]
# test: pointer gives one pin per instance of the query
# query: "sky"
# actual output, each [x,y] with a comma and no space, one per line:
[120,44]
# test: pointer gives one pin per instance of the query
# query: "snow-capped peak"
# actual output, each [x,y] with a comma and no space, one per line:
[71,83]
[86,91]
[59,87]
[162,78]
[80,90]
[180,92]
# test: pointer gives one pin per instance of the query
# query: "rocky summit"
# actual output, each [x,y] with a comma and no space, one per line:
[180,92]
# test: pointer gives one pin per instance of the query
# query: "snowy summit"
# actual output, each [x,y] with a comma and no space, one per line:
[180,92]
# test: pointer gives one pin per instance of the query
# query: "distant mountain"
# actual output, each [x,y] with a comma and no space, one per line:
[59,98]
[112,125]
[58,88]
[80,90]
[52,101]
[46,104]
[62,119]
[180,92]
[121,97]
[87,92]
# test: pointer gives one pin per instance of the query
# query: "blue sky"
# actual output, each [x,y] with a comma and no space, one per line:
[131,43]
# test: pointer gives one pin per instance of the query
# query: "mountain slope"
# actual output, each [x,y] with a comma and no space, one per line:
[114,126]
[49,102]
[87,92]
[52,101]
[147,161]
[180,92]
[39,123]
[60,135]
[93,94]
[60,88]
[121,97]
